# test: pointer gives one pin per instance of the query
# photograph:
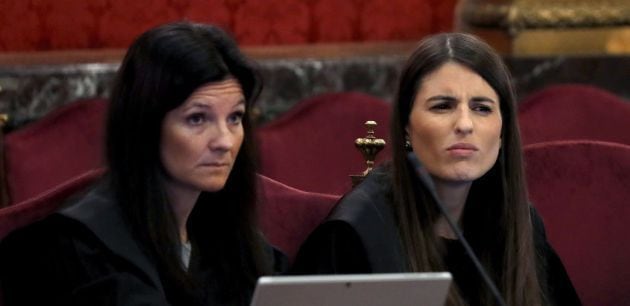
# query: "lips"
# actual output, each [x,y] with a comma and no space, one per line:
[462,146]
[462,150]
[216,165]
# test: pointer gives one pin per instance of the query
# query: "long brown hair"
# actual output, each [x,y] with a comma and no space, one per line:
[497,214]
[162,68]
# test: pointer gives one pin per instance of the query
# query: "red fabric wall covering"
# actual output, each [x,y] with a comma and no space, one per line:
[40,25]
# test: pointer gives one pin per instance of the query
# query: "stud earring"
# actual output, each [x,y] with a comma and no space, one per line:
[408,144]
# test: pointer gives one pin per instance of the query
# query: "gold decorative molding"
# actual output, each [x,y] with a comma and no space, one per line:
[546,42]
[516,15]
[548,27]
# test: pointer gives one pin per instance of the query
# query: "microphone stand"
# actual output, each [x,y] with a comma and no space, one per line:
[425,178]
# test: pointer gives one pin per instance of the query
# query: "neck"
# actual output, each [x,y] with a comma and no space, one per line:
[182,201]
[453,196]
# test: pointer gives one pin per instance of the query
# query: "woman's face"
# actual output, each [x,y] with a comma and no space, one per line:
[201,138]
[455,124]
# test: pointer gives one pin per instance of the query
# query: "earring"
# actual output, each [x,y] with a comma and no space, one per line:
[408,144]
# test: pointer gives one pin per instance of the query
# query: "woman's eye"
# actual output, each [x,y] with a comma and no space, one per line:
[236,118]
[441,106]
[195,119]
[483,109]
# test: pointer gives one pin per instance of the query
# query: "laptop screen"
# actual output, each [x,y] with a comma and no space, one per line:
[401,289]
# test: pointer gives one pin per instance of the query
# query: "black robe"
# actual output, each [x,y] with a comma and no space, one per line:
[86,255]
[361,236]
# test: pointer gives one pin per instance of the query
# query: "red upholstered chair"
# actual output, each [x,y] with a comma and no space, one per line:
[60,146]
[582,191]
[289,215]
[34,209]
[566,112]
[311,147]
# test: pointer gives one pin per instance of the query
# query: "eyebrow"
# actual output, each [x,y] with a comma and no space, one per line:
[206,106]
[440,98]
[451,98]
[482,99]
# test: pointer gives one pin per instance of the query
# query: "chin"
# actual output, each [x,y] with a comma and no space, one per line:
[456,179]
[461,176]
[212,186]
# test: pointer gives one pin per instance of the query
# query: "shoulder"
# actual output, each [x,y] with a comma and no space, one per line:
[333,248]
[539,235]
[366,210]
[64,234]
[362,223]
[45,236]
[64,257]
[367,201]
[538,225]
[55,234]
[552,273]
[93,208]
[50,258]
[99,213]
[279,261]
[54,243]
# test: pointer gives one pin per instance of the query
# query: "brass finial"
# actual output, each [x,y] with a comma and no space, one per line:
[4,118]
[369,146]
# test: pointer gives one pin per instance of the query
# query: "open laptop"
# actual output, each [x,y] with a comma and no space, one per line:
[400,289]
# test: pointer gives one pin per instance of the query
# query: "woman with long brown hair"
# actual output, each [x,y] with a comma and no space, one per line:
[174,220]
[455,110]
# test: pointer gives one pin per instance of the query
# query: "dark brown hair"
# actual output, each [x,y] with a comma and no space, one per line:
[496,217]
[161,69]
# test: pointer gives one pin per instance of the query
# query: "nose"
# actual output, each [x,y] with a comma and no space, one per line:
[223,139]
[463,122]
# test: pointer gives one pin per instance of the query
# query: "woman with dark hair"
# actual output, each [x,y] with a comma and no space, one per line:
[455,110]
[174,220]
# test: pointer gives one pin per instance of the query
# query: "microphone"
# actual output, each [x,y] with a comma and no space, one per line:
[423,175]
